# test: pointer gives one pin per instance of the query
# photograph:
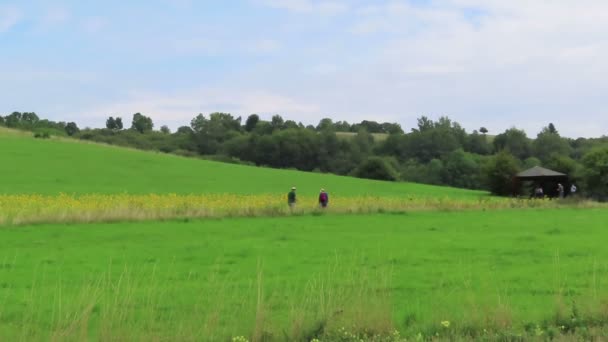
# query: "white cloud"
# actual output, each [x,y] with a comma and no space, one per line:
[516,63]
[9,17]
[178,109]
[322,7]
[93,25]
[54,17]
[205,46]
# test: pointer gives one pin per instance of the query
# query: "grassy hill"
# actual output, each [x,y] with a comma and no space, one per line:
[60,165]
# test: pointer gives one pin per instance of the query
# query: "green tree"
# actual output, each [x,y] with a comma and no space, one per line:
[251,122]
[119,125]
[71,128]
[111,123]
[531,162]
[595,173]
[13,120]
[392,128]
[499,172]
[141,123]
[165,129]
[549,143]
[515,141]
[210,133]
[563,164]
[478,143]
[30,119]
[461,170]
[325,124]
[277,122]
[433,140]
[342,126]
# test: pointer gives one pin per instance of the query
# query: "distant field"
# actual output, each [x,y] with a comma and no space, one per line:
[350,135]
[510,270]
[54,166]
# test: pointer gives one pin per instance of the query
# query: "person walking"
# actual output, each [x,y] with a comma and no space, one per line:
[291,198]
[323,199]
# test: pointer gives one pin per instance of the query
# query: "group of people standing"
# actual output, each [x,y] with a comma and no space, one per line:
[560,191]
[292,198]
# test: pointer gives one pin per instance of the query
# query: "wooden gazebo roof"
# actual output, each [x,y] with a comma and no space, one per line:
[538,173]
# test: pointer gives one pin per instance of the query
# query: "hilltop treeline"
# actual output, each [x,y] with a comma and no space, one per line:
[437,152]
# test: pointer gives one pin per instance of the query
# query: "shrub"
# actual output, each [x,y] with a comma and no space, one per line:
[499,172]
[42,135]
[376,168]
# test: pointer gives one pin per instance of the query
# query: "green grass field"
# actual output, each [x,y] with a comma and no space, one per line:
[492,274]
[54,166]
[506,267]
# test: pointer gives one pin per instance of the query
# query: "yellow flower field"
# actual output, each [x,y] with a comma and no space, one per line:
[64,208]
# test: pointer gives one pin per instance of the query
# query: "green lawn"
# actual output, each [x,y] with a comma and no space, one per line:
[31,165]
[171,277]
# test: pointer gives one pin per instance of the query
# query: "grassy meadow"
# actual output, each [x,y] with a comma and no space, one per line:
[112,244]
[288,278]
[35,166]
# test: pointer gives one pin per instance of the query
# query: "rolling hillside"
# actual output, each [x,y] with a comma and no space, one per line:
[54,166]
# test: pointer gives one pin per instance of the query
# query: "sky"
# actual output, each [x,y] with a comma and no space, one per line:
[491,63]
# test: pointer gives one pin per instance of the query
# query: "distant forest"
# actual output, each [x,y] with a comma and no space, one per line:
[434,152]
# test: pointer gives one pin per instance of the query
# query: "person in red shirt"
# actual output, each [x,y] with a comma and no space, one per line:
[323,199]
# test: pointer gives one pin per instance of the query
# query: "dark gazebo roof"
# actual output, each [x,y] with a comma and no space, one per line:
[538,172]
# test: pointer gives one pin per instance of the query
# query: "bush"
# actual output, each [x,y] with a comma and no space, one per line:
[42,135]
[376,168]
[499,172]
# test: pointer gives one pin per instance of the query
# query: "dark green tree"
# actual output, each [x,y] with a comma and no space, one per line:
[165,129]
[549,143]
[141,123]
[277,122]
[499,172]
[30,119]
[515,141]
[111,123]
[71,128]
[595,173]
[325,125]
[531,162]
[392,128]
[251,122]
[478,143]
[461,170]
[13,120]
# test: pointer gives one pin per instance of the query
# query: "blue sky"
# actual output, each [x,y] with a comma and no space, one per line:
[489,63]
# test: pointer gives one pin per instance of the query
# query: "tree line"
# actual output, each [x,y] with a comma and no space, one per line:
[438,152]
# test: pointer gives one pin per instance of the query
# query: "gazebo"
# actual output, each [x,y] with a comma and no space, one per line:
[545,178]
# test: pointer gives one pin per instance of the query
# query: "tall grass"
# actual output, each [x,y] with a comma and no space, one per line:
[30,209]
[136,304]
[140,304]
